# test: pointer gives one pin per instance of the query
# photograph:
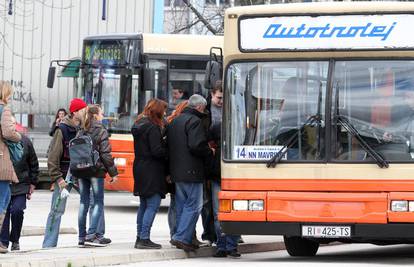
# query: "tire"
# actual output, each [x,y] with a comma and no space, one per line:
[300,247]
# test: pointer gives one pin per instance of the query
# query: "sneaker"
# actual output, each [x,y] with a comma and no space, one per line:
[241,241]
[95,242]
[15,246]
[3,249]
[220,254]
[233,254]
[148,244]
[81,243]
[105,240]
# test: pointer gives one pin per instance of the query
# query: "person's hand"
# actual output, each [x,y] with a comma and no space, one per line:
[57,121]
[213,150]
[31,189]
[61,183]
[168,179]
[113,180]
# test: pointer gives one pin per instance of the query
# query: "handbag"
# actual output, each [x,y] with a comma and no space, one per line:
[15,148]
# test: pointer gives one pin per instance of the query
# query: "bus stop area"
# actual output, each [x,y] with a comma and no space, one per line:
[120,223]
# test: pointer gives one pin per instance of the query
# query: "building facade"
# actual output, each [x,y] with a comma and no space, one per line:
[32,33]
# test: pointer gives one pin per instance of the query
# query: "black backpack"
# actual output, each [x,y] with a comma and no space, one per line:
[83,156]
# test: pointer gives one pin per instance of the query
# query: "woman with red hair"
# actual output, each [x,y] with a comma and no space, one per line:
[149,168]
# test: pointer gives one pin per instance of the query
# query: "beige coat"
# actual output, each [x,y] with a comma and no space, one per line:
[8,132]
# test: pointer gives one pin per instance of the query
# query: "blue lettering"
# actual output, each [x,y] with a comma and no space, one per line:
[280,31]
[252,155]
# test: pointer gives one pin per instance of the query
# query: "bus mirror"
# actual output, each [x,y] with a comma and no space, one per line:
[149,79]
[213,74]
[51,77]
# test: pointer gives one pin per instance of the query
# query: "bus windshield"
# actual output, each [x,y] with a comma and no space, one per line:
[116,90]
[271,101]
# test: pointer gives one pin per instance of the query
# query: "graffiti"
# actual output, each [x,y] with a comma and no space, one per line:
[20,93]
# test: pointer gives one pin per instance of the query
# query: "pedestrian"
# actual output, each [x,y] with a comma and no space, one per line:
[188,151]
[58,166]
[149,168]
[172,222]
[8,133]
[60,114]
[105,164]
[27,171]
[226,244]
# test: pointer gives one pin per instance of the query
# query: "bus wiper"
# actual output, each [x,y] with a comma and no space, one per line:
[381,162]
[379,159]
[292,141]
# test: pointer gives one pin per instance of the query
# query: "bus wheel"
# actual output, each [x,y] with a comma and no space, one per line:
[298,246]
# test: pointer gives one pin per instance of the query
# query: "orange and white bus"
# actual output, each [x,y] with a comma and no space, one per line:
[121,72]
[318,126]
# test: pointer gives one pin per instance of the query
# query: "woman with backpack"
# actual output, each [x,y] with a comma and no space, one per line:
[104,164]
[7,133]
[149,168]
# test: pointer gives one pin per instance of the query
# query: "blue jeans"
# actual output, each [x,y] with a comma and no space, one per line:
[57,209]
[172,216]
[148,207]
[53,220]
[188,203]
[85,185]
[224,242]
[15,212]
[4,196]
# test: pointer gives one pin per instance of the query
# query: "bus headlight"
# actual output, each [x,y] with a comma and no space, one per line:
[120,162]
[240,205]
[256,205]
[411,206]
[399,205]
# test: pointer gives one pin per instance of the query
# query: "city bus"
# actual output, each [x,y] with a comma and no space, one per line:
[121,72]
[318,123]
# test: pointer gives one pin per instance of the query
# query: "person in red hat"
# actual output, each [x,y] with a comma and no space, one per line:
[58,166]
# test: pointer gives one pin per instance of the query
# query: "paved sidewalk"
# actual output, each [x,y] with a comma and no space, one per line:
[118,253]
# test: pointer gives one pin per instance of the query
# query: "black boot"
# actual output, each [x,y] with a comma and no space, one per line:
[148,244]
[137,242]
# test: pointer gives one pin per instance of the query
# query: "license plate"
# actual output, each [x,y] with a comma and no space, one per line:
[326,231]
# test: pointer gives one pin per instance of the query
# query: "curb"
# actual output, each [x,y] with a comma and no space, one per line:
[119,256]
[39,231]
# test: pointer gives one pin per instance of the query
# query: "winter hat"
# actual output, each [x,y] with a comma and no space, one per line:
[77,104]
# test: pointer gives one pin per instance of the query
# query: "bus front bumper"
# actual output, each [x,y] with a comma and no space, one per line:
[391,231]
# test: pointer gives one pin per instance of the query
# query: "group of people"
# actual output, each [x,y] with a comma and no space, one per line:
[180,153]
[177,154]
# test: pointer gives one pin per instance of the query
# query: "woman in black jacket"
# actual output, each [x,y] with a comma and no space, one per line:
[105,164]
[149,168]
[60,114]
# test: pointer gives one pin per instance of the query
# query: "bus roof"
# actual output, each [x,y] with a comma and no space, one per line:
[115,36]
[323,8]
[180,44]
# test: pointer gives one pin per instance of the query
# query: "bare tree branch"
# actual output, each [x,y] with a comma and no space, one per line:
[200,17]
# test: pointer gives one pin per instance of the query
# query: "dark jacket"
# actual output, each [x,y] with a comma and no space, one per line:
[27,170]
[53,128]
[150,159]
[100,139]
[58,152]
[215,139]
[188,149]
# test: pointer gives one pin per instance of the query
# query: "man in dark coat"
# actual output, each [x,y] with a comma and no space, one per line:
[188,152]
[27,170]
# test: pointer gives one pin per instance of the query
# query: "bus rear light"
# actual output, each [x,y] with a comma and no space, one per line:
[225,205]
[240,205]
[399,205]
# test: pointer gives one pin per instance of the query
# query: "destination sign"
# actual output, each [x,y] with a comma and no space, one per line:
[108,53]
[327,32]
[255,152]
